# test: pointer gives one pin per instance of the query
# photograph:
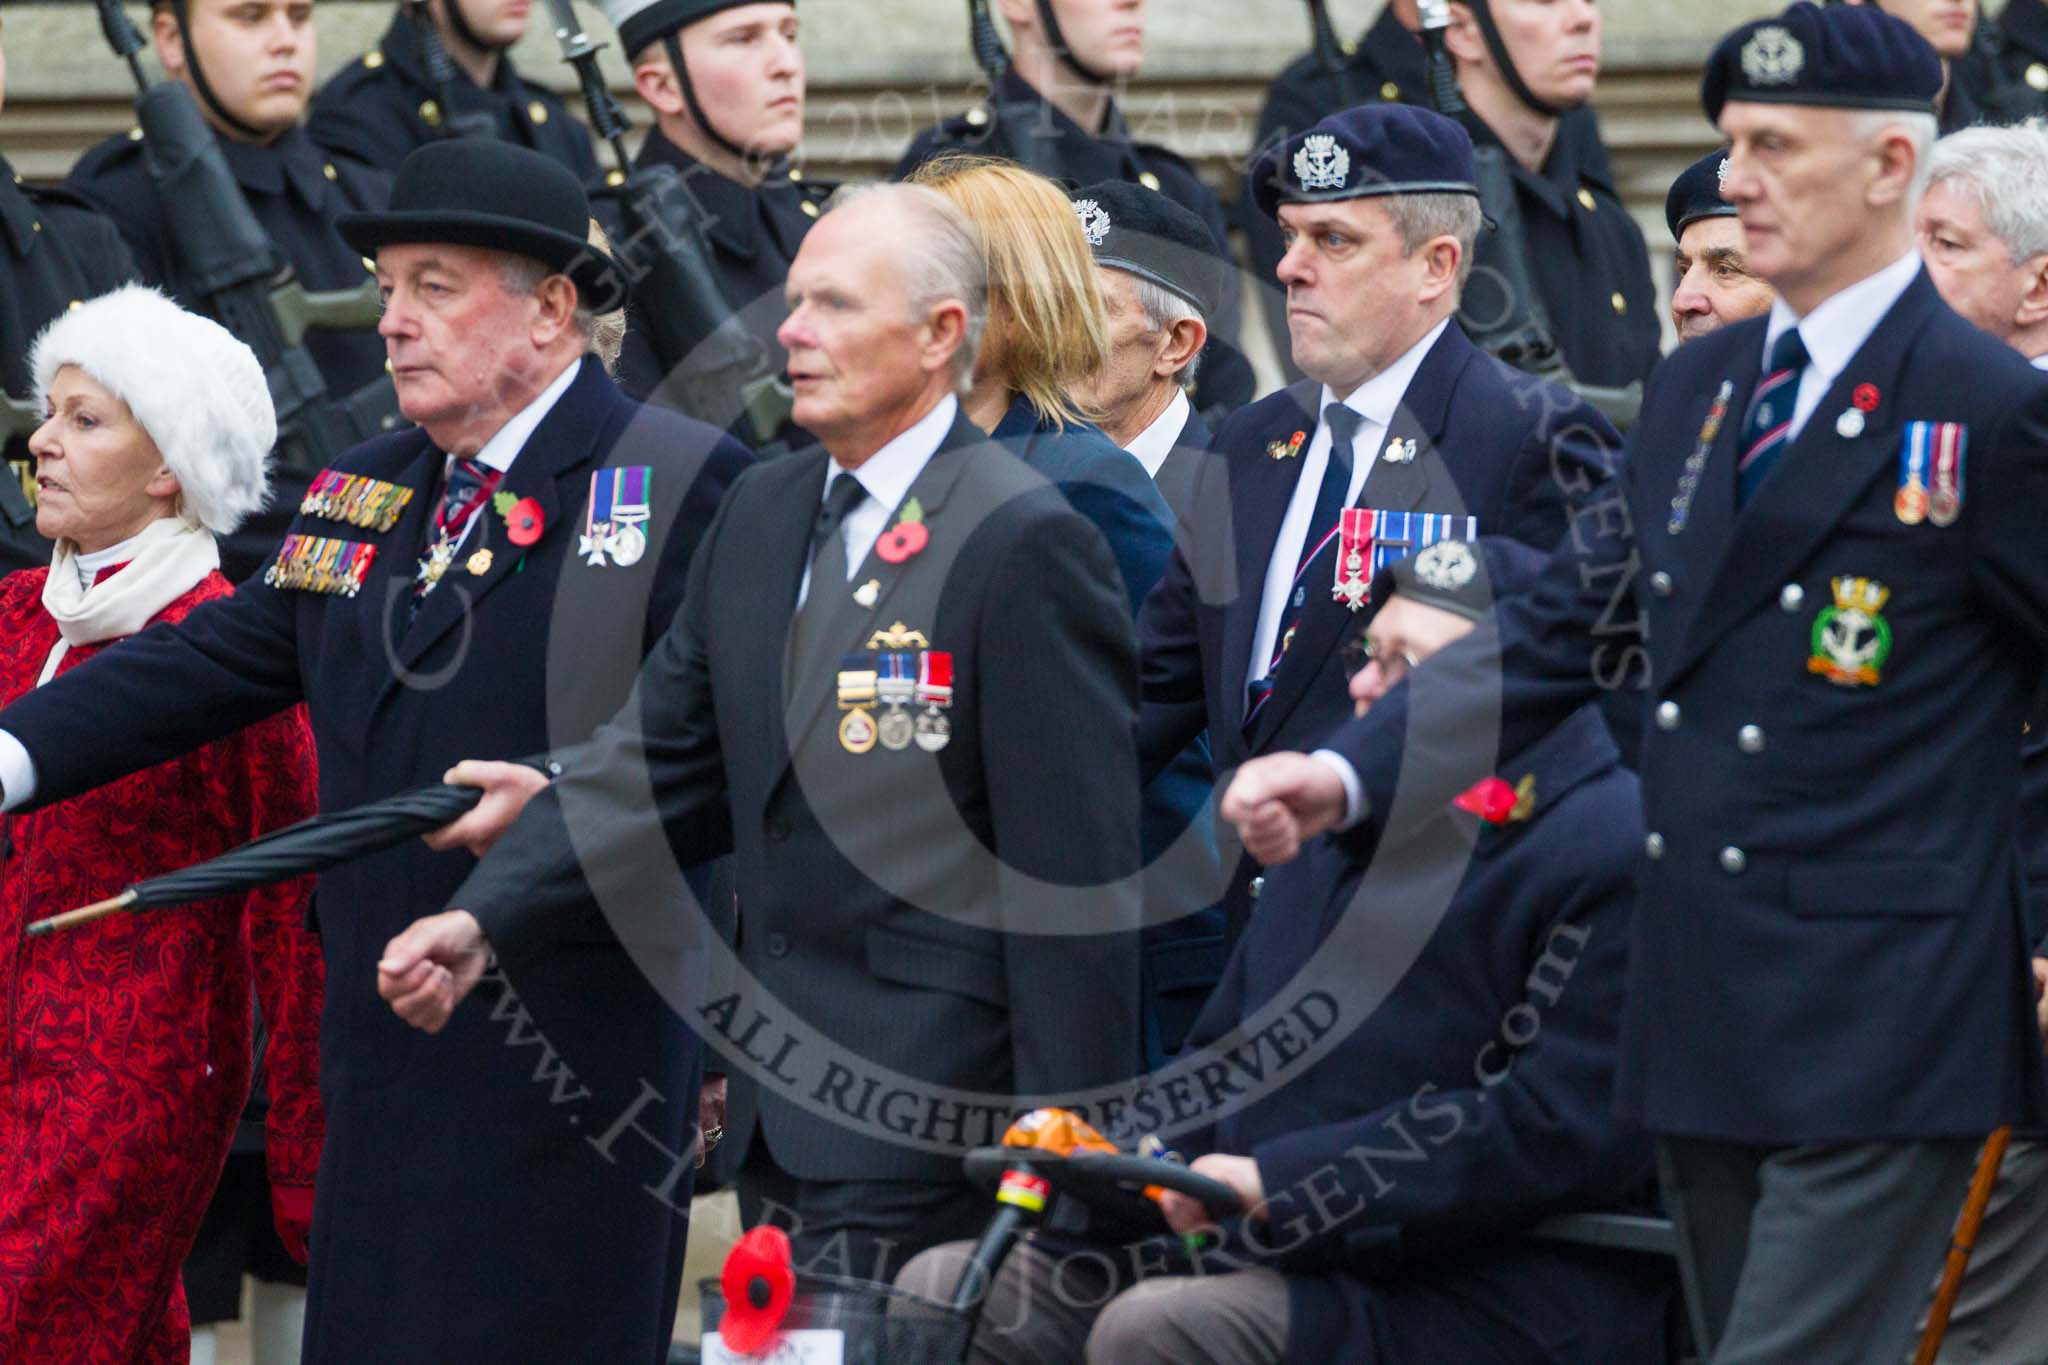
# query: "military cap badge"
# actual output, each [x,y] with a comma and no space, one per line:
[1447,565]
[1772,56]
[1094,220]
[1721,176]
[1321,163]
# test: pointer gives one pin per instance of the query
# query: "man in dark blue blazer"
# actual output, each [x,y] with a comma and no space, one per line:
[1240,636]
[1829,542]
[484,585]
[1462,983]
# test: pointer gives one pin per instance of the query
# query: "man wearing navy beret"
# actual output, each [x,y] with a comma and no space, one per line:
[1713,285]
[1403,430]
[1833,545]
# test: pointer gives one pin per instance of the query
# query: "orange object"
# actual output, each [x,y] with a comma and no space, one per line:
[1962,1245]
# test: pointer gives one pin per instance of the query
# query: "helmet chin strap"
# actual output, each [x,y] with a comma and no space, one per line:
[1482,11]
[460,23]
[672,43]
[1058,42]
[200,84]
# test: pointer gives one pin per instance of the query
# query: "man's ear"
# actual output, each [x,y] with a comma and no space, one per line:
[946,332]
[1440,259]
[557,298]
[655,80]
[1181,342]
[2033,309]
[1463,39]
[170,42]
[1896,159]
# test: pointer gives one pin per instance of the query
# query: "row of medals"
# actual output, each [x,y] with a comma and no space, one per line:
[897,729]
[1913,504]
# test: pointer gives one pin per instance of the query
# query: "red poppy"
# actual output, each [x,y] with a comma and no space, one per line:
[901,541]
[524,523]
[758,1282]
[1865,398]
[1491,799]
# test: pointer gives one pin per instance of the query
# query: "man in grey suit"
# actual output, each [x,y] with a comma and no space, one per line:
[899,670]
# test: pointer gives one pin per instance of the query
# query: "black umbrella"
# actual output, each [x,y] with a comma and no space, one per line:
[309,846]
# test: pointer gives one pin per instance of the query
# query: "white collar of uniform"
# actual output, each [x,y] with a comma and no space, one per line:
[888,473]
[1378,399]
[2039,362]
[1837,328]
[506,443]
[1152,445]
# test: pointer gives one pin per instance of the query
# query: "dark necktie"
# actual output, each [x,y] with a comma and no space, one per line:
[1332,497]
[1766,429]
[828,562]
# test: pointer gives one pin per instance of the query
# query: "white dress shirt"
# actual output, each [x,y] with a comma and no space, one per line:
[1376,401]
[886,475]
[1835,330]
[18,773]
[1152,445]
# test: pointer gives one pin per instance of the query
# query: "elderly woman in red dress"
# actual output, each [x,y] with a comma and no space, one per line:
[127,1052]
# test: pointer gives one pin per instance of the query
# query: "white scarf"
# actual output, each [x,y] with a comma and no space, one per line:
[167,560]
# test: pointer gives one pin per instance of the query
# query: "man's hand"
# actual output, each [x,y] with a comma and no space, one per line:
[1241,1173]
[507,789]
[2041,998]
[427,970]
[1280,801]
[710,1116]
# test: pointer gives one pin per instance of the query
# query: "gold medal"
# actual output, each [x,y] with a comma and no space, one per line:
[1910,504]
[479,564]
[857,731]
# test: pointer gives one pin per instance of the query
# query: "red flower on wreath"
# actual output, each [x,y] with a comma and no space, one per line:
[907,537]
[524,522]
[758,1282]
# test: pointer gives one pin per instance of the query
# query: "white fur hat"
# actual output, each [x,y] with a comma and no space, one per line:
[199,393]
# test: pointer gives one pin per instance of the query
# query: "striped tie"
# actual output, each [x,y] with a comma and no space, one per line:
[1332,495]
[1767,429]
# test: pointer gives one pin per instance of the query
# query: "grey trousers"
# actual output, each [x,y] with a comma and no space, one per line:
[1816,1254]
[2001,1316]
[1047,1310]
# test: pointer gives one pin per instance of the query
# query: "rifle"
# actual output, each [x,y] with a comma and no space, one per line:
[718,370]
[237,275]
[440,69]
[1330,53]
[1018,129]
[1501,310]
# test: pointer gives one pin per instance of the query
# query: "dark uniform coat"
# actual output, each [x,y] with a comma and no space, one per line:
[753,233]
[1829,935]
[381,106]
[1176,474]
[1385,65]
[456,1178]
[1183,938]
[56,251]
[1476,974]
[875,887]
[1076,157]
[2006,74]
[1485,435]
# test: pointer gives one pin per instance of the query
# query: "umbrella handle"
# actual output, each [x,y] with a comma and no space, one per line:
[84,914]
[1964,1243]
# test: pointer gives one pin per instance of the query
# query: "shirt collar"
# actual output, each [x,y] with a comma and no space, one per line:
[1837,328]
[505,445]
[2039,362]
[888,473]
[1152,445]
[1378,399]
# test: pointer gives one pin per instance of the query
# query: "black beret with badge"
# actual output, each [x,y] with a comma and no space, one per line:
[1374,149]
[1840,57]
[1465,578]
[1696,194]
[1144,233]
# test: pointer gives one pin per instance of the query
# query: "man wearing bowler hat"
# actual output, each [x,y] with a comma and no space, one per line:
[1832,535]
[483,585]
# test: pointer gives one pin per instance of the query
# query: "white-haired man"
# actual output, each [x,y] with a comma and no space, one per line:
[1843,621]
[899,660]
[1983,229]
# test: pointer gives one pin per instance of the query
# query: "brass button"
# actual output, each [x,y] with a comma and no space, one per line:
[2037,76]
[977,117]
[1653,846]
[431,112]
[1586,199]
[372,60]
[1733,860]
[1620,303]
[1148,180]
[1660,583]
[1790,597]
[37,225]
[810,209]
[615,177]
[1350,46]
[1750,739]
[1667,716]
[135,135]
[1390,92]
[80,303]
[328,171]
[538,112]
[796,173]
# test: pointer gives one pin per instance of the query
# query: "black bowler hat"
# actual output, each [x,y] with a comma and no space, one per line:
[1141,231]
[641,22]
[1696,194]
[1841,57]
[1463,577]
[473,192]
[1371,150]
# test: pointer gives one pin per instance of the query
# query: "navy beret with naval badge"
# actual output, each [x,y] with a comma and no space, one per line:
[1143,233]
[1374,149]
[1465,578]
[1696,194]
[1840,57]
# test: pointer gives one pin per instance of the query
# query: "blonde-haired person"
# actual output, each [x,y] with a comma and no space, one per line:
[1047,334]
[127,1051]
